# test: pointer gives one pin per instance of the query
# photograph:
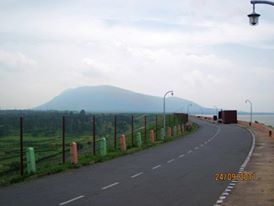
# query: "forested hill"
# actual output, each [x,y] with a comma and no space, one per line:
[113,99]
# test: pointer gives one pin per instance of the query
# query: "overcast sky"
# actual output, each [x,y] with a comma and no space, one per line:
[204,50]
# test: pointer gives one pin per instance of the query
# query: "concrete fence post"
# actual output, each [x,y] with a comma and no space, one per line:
[73,153]
[174,131]
[102,146]
[31,164]
[123,144]
[152,136]
[138,139]
[169,132]
[162,134]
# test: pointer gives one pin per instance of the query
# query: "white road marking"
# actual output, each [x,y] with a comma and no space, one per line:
[189,151]
[196,148]
[169,161]
[241,169]
[156,167]
[201,145]
[111,185]
[136,175]
[182,155]
[71,200]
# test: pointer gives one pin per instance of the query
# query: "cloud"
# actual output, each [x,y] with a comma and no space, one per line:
[146,46]
[14,61]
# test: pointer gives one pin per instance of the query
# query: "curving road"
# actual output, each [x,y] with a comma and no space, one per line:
[181,172]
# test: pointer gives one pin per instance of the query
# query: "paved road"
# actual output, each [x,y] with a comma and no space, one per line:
[181,172]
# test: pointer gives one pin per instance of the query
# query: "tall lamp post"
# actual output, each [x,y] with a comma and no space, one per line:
[254,17]
[169,92]
[250,110]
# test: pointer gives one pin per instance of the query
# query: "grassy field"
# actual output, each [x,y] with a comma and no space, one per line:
[48,150]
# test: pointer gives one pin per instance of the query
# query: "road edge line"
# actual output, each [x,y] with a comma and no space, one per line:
[220,200]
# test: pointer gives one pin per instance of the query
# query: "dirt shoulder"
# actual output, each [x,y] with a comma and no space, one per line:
[260,191]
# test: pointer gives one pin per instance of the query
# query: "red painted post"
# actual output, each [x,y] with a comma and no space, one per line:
[123,144]
[151,136]
[145,133]
[179,129]
[73,153]
[21,147]
[270,133]
[115,132]
[63,139]
[94,137]
[169,134]
[132,129]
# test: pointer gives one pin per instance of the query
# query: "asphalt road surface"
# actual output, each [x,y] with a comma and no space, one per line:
[181,172]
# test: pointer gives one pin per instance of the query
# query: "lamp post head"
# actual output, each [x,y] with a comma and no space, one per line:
[172,93]
[253,18]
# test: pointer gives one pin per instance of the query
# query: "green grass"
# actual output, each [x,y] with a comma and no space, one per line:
[86,158]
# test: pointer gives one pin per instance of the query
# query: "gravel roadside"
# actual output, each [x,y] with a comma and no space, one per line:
[258,192]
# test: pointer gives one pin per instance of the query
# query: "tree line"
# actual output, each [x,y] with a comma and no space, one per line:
[49,123]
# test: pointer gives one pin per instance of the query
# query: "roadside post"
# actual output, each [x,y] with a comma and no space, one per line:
[123,144]
[139,139]
[102,146]
[21,147]
[73,153]
[30,156]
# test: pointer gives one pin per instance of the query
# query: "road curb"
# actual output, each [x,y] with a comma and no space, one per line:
[233,183]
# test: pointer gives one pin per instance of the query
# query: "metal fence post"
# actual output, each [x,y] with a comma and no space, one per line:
[156,122]
[145,134]
[115,132]
[21,147]
[63,140]
[132,129]
[94,137]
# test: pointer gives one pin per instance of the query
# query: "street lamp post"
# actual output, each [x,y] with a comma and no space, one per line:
[250,110]
[165,108]
[254,17]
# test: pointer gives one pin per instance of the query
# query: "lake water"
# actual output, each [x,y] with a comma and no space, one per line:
[266,119]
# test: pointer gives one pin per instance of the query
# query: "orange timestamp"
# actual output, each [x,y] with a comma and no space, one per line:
[244,176]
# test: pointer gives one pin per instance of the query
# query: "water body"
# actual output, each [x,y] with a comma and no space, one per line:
[266,119]
[261,118]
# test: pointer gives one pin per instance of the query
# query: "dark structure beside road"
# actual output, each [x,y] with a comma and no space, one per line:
[228,116]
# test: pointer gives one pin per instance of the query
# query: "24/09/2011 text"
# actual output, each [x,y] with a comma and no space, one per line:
[244,176]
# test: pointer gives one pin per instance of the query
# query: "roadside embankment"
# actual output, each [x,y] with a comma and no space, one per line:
[258,192]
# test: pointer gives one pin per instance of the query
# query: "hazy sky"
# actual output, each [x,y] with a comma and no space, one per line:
[204,50]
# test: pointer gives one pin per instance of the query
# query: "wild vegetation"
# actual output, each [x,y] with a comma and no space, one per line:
[42,130]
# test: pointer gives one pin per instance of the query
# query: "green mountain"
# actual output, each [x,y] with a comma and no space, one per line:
[113,99]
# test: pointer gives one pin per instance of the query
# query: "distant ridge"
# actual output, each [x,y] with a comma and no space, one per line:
[110,99]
